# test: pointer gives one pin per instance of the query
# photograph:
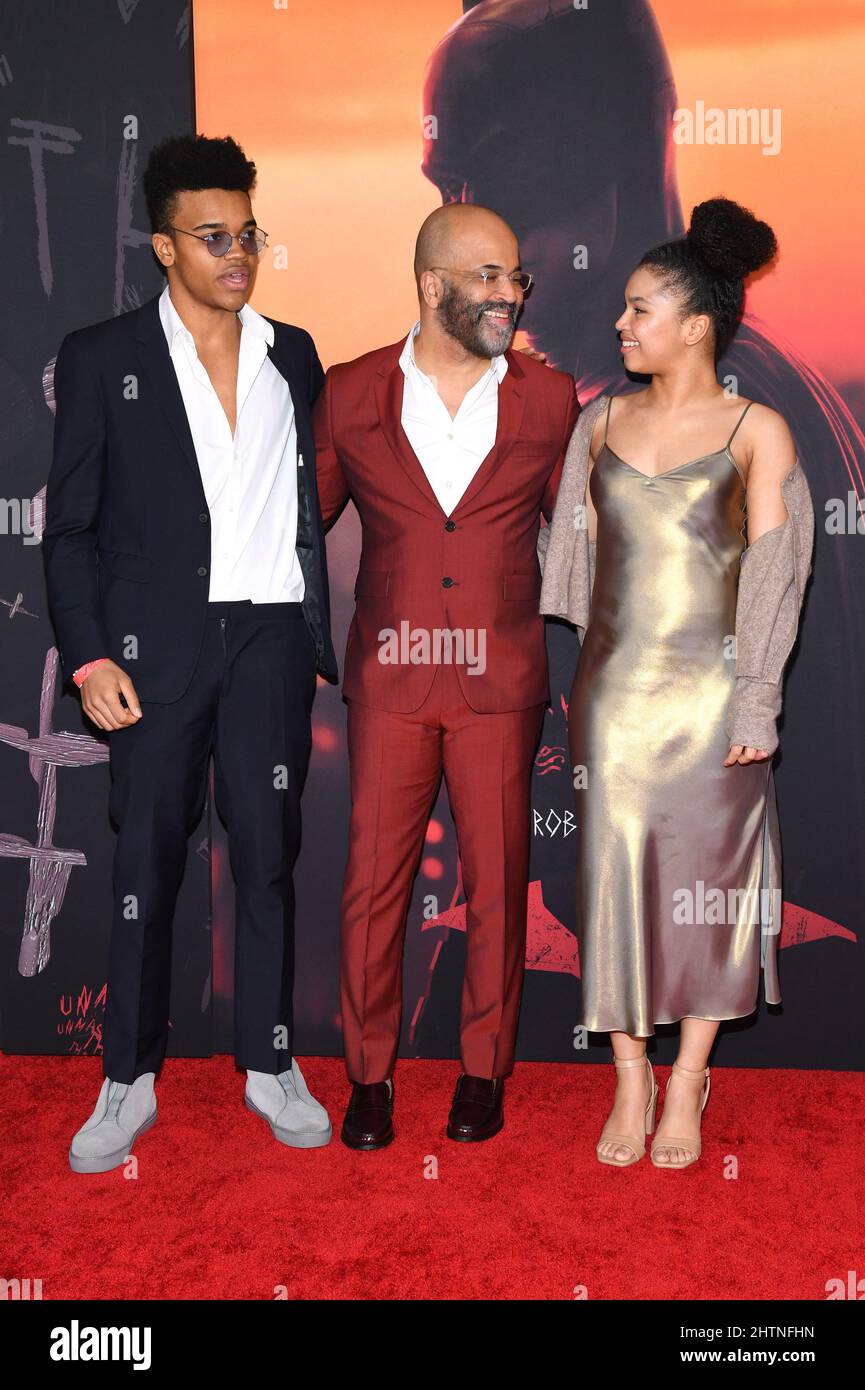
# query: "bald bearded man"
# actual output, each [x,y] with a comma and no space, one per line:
[451,446]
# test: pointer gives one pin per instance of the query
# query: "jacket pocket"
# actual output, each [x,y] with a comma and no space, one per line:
[372,583]
[522,586]
[126,565]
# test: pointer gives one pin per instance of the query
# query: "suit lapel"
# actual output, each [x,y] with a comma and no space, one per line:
[511,405]
[158,371]
[286,369]
[388,389]
[306,491]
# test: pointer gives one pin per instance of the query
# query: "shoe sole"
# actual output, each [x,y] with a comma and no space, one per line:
[374,1144]
[103,1163]
[475,1138]
[315,1140]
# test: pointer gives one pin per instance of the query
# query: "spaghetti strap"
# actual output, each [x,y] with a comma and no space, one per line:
[607,419]
[738,423]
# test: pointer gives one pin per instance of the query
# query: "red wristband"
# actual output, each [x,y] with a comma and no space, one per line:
[83,672]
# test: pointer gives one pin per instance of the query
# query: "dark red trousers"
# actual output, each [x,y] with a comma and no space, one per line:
[396,763]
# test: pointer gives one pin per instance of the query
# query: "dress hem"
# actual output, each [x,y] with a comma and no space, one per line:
[725,1018]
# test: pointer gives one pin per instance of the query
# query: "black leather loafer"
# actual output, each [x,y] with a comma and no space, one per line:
[477,1110]
[368,1122]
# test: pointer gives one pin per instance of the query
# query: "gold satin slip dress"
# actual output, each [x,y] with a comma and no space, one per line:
[679,857]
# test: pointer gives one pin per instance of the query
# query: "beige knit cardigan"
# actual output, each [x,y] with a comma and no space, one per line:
[773,573]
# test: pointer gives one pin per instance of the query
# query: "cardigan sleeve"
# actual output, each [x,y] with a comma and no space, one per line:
[773,574]
[543,542]
[565,553]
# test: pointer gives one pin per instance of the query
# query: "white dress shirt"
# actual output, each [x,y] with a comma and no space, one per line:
[450,451]
[250,479]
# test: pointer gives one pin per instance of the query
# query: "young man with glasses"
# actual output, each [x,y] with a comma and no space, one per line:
[451,446]
[187,582]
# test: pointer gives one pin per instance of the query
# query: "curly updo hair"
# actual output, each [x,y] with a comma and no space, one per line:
[708,265]
[188,163]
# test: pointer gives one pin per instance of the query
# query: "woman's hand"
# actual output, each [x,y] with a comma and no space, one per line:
[740,754]
[533,353]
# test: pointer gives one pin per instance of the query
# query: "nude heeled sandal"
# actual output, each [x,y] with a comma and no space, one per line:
[692,1146]
[631,1141]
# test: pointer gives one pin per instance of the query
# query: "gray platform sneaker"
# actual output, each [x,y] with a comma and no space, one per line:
[284,1101]
[122,1113]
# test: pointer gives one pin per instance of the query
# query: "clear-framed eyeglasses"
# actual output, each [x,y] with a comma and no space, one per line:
[520,279]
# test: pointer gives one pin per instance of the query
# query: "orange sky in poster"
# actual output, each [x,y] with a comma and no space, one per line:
[326,99]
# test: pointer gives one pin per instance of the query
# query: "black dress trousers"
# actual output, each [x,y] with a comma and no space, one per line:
[250,703]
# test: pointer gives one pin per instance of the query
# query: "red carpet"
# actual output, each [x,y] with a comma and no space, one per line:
[220,1210]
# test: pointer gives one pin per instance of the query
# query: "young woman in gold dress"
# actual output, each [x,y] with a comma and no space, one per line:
[670,743]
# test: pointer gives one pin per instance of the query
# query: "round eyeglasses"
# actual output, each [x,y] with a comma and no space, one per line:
[252,241]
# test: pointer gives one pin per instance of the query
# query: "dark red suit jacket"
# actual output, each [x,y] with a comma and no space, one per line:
[478,569]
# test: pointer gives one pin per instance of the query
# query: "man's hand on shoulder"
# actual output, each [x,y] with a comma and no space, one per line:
[100,697]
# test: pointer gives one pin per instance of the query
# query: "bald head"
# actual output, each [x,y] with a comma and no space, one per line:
[457,304]
[466,236]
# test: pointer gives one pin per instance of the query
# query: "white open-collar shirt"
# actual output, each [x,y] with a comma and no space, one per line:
[250,480]
[450,451]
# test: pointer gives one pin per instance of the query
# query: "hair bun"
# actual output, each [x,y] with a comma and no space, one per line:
[729,238]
